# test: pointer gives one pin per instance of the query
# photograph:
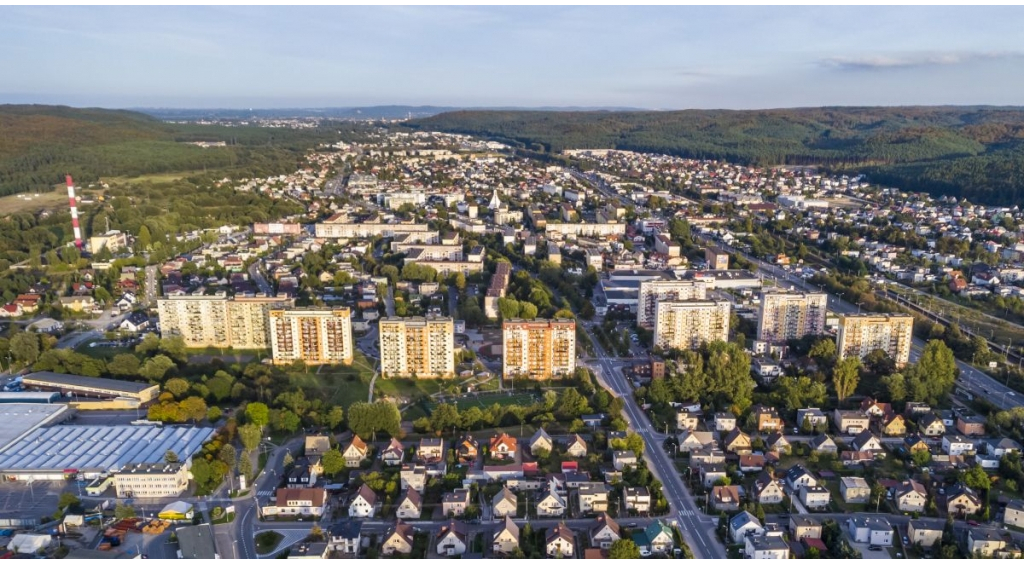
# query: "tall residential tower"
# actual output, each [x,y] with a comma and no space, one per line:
[417,346]
[539,349]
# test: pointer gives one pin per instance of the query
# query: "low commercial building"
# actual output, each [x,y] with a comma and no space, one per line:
[20,419]
[73,386]
[54,453]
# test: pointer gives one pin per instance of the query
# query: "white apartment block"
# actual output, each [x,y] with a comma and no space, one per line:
[539,349]
[654,291]
[586,229]
[312,335]
[151,480]
[690,324]
[791,315]
[218,321]
[417,346]
[338,227]
[862,333]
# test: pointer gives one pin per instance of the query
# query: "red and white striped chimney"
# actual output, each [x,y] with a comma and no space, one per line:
[74,213]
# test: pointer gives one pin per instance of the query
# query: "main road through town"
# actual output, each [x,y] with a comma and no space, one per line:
[698,530]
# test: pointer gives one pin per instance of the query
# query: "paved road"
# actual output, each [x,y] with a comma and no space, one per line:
[697,529]
[970,378]
[151,293]
[260,280]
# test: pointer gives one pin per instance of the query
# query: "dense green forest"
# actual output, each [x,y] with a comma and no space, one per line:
[973,152]
[40,144]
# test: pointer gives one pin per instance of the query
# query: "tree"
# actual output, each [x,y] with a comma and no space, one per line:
[258,414]
[150,343]
[333,462]
[823,350]
[334,418]
[220,385]
[977,478]
[68,500]
[144,240]
[170,456]
[154,369]
[527,310]
[934,375]
[193,408]
[250,435]
[122,511]
[795,393]
[245,467]
[509,308]
[879,363]
[624,549]
[571,404]
[177,386]
[633,442]
[845,377]
[228,455]
[922,458]
[896,386]
[24,347]
[458,280]
[214,414]
[124,364]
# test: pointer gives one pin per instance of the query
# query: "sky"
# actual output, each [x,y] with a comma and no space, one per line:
[654,57]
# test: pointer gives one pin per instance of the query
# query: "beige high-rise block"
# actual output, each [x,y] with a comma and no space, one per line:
[689,324]
[791,315]
[861,334]
[654,291]
[539,349]
[417,346]
[312,335]
[218,321]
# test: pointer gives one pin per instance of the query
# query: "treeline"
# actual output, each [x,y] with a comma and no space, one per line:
[41,144]
[962,151]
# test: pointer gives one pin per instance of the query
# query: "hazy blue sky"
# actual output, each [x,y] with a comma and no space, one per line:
[659,57]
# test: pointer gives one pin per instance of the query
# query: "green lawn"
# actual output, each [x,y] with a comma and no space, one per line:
[267,541]
[486,401]
[102,353]
[337,385]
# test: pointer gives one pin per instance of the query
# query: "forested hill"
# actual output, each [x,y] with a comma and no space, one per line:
[973,152]
[40,144]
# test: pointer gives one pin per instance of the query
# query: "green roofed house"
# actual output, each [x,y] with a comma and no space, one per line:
[655,539]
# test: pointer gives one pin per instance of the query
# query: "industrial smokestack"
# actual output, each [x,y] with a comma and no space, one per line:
[74,213]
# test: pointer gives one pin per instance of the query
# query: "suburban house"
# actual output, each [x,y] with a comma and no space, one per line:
[304,502]
[768,490]
[767,419]
[811,418]
[799,477]
[743,524]
[398,539]
[551,504]
[970,425]
[875,531]
[345,537]
[468,449]
[693,440]
[823,444]
[502,447]
[413,476]
[560,542]
[725,422]
[851,422]
[866,441]
[452,539]
[604,532]
[725,498]
[984,542]
[815,497]
[802,527]
[961,501]
[712,473]
[431,450]
[577,447]
[687,420]
[751,463]
[621,459]
[956,445]
[593,497]
[655,539]
[355,453]
[393,454]
[736,442]
[914,443]
[765,546]
[410,505]
[637,499]
[364,503]
[854,489]
[506,538]
[1014,513]
[454,503]
[924,533]
[893,425]
[777,443]
[540,440]
[504,503]
[910,496]
[931,425]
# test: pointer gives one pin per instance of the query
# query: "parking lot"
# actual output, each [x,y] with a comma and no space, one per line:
[22,499]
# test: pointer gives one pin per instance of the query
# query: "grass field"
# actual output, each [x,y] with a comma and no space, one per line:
[486,401]
[33,202]
[337,385]
[103,353]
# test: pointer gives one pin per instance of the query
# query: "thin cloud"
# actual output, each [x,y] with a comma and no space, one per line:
[915,60]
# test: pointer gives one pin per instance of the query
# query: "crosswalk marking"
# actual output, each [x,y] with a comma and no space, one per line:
[265,492]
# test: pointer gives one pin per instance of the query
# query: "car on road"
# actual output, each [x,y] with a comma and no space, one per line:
[874,548]
[972,523]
